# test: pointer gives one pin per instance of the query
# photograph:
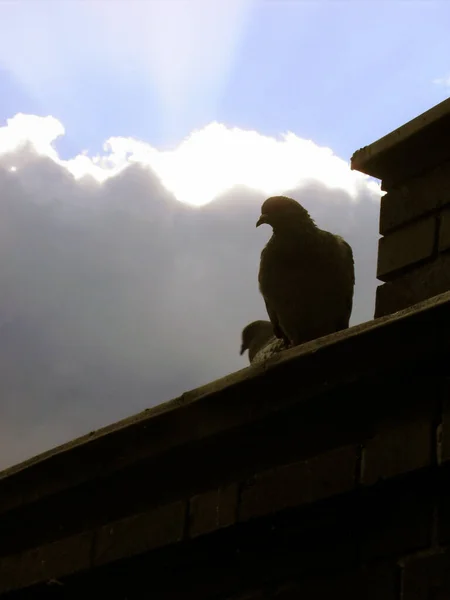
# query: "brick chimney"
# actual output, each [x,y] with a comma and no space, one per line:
[413,163]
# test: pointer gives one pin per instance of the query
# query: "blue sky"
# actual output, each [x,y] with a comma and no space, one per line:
[341,73]
[127,271]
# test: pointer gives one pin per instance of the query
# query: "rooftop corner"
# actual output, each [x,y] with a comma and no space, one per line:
[416,146]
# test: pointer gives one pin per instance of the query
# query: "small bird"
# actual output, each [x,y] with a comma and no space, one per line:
[306,274]
[255,336]
[258,338]
[274,346]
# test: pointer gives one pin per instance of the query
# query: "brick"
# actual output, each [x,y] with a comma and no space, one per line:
[10,573]
[373,583]
[398,448]
[333,472]
[323,588]
[405,247]
[274,490]
[439,444]
[396,522]
[415,198]
[444,230]
[427,577]
[382,581]
[445,429]
[419,284]
[213,510]
[289,591]
[292,485]
[444,518]
[253,595]
[443,512]
[51,561]
[140,533]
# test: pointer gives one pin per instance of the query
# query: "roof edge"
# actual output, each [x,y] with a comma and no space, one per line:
[371,159]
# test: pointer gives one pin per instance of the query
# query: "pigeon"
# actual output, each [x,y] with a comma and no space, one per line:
[258,338]
[306,274]
[274,346]
[255,336]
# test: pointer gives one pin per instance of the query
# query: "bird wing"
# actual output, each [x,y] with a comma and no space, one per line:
[263,265]
[273,347]
[274,320]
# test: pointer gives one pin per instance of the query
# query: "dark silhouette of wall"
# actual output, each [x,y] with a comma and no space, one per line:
[413,163]
[322,473]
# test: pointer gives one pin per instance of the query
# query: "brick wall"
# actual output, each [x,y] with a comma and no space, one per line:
[368,520]
[413,163]
[324,474]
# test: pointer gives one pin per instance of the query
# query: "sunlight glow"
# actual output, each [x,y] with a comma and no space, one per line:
[181,53]
[185,48]
[203,166]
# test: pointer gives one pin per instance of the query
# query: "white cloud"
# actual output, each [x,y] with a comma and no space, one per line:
[115,296]
[206,164]
[39,132]
[443,81]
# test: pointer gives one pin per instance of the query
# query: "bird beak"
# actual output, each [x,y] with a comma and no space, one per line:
[262,219]
[242,350]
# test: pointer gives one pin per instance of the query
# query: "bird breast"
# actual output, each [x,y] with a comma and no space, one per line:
[302,272]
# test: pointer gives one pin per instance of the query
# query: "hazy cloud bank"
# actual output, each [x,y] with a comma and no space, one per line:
[115,296]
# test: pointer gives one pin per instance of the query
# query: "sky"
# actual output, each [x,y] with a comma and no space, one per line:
[138,140]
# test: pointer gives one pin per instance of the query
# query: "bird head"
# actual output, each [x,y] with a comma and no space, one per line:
[282,212]
[253,331]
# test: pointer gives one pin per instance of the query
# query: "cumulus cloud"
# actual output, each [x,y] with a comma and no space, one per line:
[118,293]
